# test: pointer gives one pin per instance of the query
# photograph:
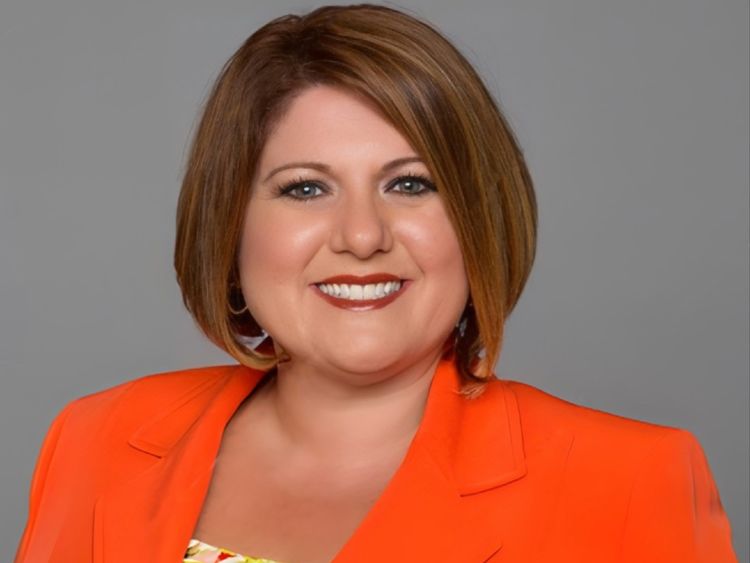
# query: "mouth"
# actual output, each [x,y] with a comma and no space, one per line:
[362,297]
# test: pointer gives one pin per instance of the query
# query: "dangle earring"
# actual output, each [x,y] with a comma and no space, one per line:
[463,321]
[252,342]
[234,289]
[461,327]
[236,312]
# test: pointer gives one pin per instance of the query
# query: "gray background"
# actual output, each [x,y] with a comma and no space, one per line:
[634,119]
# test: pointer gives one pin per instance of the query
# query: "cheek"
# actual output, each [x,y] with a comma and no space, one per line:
[435,245]
[274,246]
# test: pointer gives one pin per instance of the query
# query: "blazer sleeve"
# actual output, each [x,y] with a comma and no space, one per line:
[39,477]
[675,513]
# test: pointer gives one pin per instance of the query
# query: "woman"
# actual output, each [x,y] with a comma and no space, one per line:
[356,223]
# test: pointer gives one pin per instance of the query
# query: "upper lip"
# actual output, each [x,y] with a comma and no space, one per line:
[361,280]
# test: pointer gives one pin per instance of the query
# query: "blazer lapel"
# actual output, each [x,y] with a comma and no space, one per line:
[437,506]
[150,516]
[434,509]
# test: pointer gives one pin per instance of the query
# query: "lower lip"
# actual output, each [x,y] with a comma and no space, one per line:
[363,304]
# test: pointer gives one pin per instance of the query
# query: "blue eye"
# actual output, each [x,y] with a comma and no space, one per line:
[412,184]
[299,189]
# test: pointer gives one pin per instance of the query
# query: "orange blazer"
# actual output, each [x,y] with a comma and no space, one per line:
[516,475]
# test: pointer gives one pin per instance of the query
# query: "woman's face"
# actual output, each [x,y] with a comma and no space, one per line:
[331,199]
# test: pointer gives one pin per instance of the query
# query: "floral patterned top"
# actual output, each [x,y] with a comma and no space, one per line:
[201,552]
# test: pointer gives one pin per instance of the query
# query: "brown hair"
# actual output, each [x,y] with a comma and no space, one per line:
[431,94]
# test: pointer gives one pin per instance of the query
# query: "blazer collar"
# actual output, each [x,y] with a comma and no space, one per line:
[429,508]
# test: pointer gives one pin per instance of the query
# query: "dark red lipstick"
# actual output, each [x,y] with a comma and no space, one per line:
[362,304]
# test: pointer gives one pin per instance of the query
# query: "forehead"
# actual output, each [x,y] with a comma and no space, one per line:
[330,123]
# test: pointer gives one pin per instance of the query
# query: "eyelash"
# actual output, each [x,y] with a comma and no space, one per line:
[285,190]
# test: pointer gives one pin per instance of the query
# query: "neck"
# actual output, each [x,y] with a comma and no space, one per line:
[348,416]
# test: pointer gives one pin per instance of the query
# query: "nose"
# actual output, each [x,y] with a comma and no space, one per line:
[362,224]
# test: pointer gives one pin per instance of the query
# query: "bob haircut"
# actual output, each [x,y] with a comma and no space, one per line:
[431,94]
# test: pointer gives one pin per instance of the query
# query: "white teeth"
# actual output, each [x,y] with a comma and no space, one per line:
[360,292]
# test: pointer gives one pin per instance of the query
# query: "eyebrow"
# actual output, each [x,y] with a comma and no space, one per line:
[325,168]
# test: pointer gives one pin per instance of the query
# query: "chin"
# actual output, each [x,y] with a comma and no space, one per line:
[379,361]
[362,363]
[375,361]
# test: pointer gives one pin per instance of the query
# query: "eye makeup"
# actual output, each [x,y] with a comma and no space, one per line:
[287,189]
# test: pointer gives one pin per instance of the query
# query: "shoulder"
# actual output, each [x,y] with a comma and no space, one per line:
[543,414]
[629,473]
[155,385]
[128,403]
[92,432]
